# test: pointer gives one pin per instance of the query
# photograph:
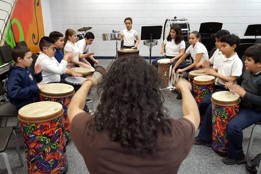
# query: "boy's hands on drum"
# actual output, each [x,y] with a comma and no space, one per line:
[183,84]
[37,69]
[235,88]
[88,54]
[75,74]
[211,71]
[203,64]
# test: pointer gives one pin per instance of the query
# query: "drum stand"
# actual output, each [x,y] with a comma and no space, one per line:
[172,80]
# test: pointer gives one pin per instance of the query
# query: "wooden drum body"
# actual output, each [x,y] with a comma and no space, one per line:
[163,71]
[84,71]
[128,52]
[203,86]
[42,128]
[61,93]
[225,106]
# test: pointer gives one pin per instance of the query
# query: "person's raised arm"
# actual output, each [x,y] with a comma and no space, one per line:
[78,101]
[189,105]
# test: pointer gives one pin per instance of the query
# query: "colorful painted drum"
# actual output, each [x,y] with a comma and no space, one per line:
[42,129]
[164,72]
[203,86]
[128,51]
[225,106]
[84,71]
[61,93]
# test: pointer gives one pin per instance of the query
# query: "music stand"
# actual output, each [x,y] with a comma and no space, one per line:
[253,30]
[208,28]
[150,33]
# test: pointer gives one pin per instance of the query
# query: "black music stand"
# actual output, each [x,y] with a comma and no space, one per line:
[253,30]
[208,28]
[151,33]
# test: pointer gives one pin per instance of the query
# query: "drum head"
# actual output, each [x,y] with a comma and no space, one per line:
[75,80]
[128,50]
[40,112]
[225,97]
[204,78]
[57,89]
[164,61]
[83,71]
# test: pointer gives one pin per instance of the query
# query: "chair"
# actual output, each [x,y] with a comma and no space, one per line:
[5,135]
[242,48]
[251,141]
[7,110]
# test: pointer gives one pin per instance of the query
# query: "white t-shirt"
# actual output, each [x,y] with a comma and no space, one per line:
[231,66]
[198,48]
[129,36]
[173,49]
[83,48]
[51,68]
[72,47]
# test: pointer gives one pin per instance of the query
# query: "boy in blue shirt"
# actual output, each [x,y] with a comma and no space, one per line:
[22,87]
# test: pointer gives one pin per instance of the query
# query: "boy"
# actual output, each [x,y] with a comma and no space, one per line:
[129,36]
[250,106]
[51,68]
[227,66]
[22,87]
[84,47]
[59,43]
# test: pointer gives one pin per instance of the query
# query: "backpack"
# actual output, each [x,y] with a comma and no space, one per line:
[253,165]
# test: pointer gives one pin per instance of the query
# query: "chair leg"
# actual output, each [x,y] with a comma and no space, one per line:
[250,142]
[18,149]
[8,167]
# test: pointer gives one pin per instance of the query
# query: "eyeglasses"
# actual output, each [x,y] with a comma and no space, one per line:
[53,48]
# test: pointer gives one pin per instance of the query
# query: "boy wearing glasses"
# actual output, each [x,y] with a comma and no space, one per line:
[51,68]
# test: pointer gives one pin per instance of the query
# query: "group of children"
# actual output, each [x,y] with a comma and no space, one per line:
[52,65]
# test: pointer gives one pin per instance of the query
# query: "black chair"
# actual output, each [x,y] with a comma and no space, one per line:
[5,135]
[247,40]
[7,110]
[242,48]
[6,53]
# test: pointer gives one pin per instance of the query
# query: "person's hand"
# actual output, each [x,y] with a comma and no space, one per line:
[93,80]
[37,68]
[88,54]
[162,52]
[75,74]
[85,65]
[95,61]
[68,56]
[183,84]
[180,71]
[210,71]
[135,47]
[172,60]
[237,89]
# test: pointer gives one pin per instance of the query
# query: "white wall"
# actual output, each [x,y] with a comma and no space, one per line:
[107,15]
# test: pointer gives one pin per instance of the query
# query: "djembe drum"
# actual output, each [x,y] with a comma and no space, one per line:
[225,106]
[203,86]
[42,129]
[61,93]
[84,71]
[163,71]
[128,52]
[76,82]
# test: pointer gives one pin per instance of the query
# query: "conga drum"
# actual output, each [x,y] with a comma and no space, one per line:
[42,129]
[203,86]
[61,93]
[76,82]
[128,52]
[84,71]
[163,71]
[195,73]
[225,106]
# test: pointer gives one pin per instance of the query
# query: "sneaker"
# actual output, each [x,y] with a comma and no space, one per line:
[201,142]
[222,154]
[232,161]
